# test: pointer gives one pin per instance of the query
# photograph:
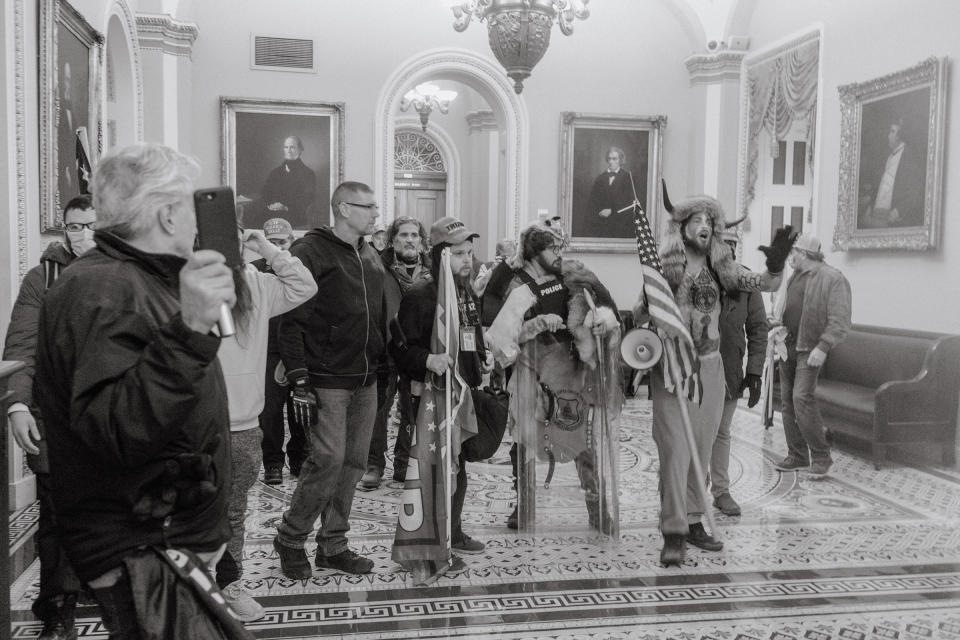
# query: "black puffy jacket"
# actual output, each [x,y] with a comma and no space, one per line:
[125,387]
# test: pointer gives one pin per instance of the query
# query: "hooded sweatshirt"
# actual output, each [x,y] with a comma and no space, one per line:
[339,336]
[243,355]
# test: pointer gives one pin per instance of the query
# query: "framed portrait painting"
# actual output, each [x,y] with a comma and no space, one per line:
[283,159]
[606,163]
[71,54]
[891,160]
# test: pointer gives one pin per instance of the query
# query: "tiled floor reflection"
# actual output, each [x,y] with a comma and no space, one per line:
[861,554]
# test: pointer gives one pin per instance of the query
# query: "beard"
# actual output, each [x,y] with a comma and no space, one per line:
[408,255]
[697,244]
[553,267]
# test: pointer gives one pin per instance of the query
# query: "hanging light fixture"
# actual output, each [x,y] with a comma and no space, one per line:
[519,30]
[426,97]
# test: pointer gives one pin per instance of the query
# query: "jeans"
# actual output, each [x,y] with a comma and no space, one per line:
[339,443]
[246,456]
[802,422]
[720,458]
[271,422]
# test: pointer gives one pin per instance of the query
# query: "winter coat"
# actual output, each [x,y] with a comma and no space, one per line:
[126,390]
[21,343]
[741,312]
[826,309]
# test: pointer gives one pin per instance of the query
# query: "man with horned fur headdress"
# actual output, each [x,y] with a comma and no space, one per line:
[698,266]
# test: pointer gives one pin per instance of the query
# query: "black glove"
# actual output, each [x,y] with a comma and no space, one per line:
[752,382]
[306,406]
[779,249]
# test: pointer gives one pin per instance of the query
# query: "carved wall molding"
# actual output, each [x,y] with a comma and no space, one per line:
[707,68]
[131,31]
[161,32]
[21,136]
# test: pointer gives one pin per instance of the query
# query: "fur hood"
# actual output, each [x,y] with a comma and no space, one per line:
[672,253]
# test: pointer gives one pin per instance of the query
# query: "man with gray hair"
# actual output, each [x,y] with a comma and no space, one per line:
[138,425]
[815,318]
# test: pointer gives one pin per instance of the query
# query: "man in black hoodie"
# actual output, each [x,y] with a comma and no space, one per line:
[56,603]
[331,346]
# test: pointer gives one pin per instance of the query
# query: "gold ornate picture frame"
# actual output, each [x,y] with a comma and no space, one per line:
[253,136]
[592,201]
[71,58]
[891,160]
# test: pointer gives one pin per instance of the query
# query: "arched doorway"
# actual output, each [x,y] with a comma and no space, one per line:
[420,177]
[509,110]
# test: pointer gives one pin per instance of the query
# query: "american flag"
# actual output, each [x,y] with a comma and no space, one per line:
[422,539]
[680,363]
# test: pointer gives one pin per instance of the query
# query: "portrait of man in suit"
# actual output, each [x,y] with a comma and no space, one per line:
[609,171]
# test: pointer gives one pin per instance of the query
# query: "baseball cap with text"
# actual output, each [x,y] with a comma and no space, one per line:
[277,228]
[451,231]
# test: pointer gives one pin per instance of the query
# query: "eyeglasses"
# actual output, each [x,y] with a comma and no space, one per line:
[80,226]
[372,205]
[556,248]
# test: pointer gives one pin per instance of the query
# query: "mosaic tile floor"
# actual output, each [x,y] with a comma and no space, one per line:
[861,554]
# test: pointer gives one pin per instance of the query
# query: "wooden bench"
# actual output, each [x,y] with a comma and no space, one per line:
[890,387]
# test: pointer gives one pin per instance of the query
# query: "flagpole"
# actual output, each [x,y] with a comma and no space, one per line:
[448,384]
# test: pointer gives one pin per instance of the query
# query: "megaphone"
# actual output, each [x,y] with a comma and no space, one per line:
[641,348]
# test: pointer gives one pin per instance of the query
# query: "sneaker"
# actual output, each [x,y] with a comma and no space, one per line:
[674,550]
[727,505]
[819,469]
[293,562]
[466,544]
[513,520]
[272,475]
[370,479]
[347,561]
[790,464]
[242,603]
[699,537]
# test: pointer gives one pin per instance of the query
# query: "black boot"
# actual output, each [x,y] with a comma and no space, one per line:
[674,549]
[58,618]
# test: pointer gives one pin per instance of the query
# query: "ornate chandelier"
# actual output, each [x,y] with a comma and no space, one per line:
[519,30]
[426,97]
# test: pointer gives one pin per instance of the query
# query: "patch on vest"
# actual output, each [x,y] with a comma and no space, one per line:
[569,410]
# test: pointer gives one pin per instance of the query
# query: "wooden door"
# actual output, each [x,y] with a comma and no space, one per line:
[426,205]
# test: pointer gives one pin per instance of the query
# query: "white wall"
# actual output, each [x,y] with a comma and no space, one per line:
[862,40]
[627,58]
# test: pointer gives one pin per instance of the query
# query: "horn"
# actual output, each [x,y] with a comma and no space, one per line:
[666,199]
[729,225]
[641,348]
